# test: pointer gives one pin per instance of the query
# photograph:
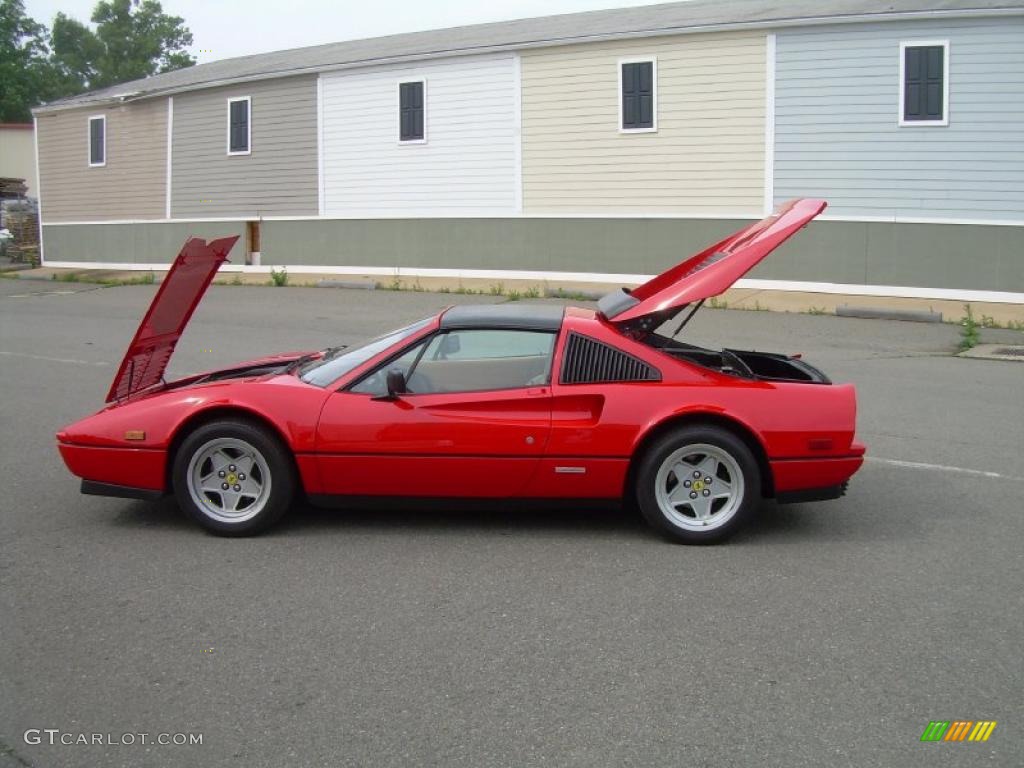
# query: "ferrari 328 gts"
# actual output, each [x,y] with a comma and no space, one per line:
[511,401]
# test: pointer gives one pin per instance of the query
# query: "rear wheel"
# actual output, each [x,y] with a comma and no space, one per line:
[233,478]
[698,484]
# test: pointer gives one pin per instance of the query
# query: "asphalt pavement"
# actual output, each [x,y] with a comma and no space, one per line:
[824,634]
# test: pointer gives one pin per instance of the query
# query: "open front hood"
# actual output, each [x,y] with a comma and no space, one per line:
[147,356]
[712,271]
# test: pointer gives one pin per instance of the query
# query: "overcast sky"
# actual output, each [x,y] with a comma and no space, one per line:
[226,28]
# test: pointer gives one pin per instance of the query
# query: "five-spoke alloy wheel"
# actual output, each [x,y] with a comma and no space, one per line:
[233,477]
[696,484]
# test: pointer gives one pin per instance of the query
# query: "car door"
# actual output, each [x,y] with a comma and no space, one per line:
[473,425]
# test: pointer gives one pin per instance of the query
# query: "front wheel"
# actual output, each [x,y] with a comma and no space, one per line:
[233,478]
[697,484]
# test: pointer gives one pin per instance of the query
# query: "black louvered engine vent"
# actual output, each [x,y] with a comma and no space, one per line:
[593,362]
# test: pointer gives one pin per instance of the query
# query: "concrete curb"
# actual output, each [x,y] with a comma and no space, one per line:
[889,313]
[1008,352]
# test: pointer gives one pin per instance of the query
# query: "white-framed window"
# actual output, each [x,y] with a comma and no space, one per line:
[638,95]
[924,83]
[240,125]
[97,141]
[412,111]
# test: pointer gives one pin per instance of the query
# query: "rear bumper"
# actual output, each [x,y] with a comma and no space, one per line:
[92,488]
[134,468]
[800,479]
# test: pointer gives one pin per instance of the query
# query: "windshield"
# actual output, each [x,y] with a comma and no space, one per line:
[329,368]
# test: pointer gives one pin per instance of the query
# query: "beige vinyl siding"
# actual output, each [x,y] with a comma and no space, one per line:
[279,175]
[132,184]
[707,156]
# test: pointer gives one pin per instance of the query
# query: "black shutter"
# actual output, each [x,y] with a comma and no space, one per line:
[239,126]
[923,86]
[638,95]
[97,128]
[410,111]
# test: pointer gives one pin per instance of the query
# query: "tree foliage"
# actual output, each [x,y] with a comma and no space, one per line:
[23,62]
[127,40]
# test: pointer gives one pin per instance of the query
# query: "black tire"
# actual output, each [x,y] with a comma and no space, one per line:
[653,470]
[272,472]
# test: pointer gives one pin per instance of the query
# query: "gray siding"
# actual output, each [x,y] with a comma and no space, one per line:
[930,255]
[836,112]
[278,178]
[132,184]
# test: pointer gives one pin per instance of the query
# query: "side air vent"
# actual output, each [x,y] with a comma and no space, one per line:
[592,362]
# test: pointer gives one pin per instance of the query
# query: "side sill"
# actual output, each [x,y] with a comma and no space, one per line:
[435,503]
[812,494]
[93,488]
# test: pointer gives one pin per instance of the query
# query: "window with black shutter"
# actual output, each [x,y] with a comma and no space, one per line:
[410,111]
[924,86]
[638,97]
[238,126]
[97,141]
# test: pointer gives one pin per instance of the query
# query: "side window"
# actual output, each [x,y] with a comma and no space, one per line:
[924,83]
[470,361]
[638,96]
[411,112]
[97,141]
[376,383]
[239,126]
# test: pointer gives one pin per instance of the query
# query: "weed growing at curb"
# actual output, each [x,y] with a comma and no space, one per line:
[817,311]
[279,277]
[716,303]
[968,329]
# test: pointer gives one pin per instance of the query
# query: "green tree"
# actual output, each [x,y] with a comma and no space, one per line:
[133,39]
[24,70]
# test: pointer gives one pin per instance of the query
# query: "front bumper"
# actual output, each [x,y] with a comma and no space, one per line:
[142,469]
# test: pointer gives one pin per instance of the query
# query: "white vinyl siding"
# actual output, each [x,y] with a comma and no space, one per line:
[467,162]
[837,132]
[703,154]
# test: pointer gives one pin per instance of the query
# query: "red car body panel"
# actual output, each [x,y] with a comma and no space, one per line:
[550,441]
[716,268]
[177,298]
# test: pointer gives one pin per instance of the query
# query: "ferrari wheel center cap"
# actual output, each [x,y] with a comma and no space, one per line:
[232,478]
[698,485]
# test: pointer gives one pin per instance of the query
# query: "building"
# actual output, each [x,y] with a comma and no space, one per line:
[18,154]
[598,145]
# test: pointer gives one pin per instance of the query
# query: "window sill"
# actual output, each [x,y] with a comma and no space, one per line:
[639,130]
[923,123]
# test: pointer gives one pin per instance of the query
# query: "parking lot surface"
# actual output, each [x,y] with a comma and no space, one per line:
[823,634]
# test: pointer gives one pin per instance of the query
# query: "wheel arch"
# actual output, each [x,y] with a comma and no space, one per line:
[704,418]
[217,413]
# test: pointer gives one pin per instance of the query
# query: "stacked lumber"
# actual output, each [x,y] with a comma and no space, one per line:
[12,187]
[20,217]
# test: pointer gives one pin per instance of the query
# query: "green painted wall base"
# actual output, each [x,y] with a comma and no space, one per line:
[961,256]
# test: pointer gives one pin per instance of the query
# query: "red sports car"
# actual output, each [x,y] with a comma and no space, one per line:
[509,401]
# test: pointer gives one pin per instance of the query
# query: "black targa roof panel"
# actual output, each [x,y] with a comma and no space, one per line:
[517,316]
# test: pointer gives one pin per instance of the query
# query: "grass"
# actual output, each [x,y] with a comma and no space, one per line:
[147,278]
[969,334]
[279,277]
[817,311]
[716,303]
[560,293]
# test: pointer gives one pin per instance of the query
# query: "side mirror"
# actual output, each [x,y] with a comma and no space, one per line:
[396,383]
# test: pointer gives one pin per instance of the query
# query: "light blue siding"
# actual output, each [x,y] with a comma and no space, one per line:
[836,122]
